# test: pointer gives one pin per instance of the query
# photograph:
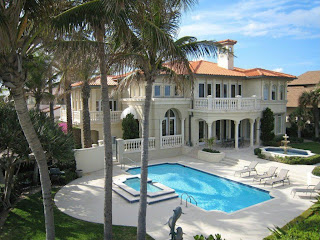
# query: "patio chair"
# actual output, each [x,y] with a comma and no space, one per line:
[269,174]
[282,176]
[314,189]
[248,169]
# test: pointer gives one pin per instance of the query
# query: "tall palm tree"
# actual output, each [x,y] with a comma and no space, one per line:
[22,27]
[153,50]
[312,99]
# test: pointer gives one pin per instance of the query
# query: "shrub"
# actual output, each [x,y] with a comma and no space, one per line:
[257,151]
[210,150]
[211,237]
[316,139]
[316,171]
[267,126]
[296,140]
[272,143]
[301,160]
[130,127]
[278,138]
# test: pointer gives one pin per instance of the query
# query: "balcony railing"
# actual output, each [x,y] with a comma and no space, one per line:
[227,104]
[95,117]
[135,145]
[172,141]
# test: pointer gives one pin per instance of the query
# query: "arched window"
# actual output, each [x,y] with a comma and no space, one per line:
[169,123]
[281,92]
[274,92]
[266,92]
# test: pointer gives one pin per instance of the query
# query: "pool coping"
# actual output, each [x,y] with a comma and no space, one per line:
[273,154]
[272,192]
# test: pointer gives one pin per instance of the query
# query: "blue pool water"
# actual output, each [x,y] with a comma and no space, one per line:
[289,151]
[135,184]
[210,191]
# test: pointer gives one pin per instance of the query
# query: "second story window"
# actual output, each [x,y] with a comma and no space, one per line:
[113,105]
[240,90]
[209,89]
[225,90]
[167,91]
[98,106]
[176,92]
[265,92]
[281,92]
[157,91]
[274,92]
[201,90]
[233,90]
[218,90]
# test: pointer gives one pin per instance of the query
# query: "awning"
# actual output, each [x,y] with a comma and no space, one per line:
[127,111]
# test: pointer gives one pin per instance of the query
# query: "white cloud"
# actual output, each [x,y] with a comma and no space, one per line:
[278,69]
[274,18]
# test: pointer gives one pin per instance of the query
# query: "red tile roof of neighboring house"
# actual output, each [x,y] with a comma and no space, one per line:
[228,41]
[96,81]
[307,78]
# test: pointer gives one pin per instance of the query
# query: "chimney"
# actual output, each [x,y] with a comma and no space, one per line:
[225,58]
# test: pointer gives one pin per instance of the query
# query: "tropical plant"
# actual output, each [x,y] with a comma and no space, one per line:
[211,237]
[210,142]
[152,50]
[300,116]
[130,127]
[312,99]
[267,126]
[23,26]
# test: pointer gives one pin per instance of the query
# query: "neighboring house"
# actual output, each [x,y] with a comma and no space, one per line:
[226,102]
[305,82]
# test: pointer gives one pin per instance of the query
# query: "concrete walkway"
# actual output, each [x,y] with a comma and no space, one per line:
[83,199]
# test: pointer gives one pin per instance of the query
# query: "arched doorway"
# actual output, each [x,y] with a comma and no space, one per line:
[169,123]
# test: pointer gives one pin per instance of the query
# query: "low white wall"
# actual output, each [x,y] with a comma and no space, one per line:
[90,159]
[210,157]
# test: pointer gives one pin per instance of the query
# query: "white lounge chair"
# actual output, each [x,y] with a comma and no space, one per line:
[269,174]
[310,190]
[282,176]
[248,169]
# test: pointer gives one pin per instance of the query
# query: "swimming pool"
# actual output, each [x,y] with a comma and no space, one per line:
[135,184]
[210,191]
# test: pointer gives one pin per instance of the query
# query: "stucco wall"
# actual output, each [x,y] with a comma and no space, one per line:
[90,159]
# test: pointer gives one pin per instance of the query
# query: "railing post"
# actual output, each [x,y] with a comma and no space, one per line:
[255,101]
[120,149]
[239,99]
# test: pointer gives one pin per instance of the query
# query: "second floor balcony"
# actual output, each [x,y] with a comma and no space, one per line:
[95,116]
[228,104]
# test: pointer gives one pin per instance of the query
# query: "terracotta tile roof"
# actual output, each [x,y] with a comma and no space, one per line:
[210,68]
[294,93]
[96,81]
[227,41]
[256,72]
[308,78]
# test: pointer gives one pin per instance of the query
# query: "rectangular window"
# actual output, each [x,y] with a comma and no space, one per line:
[164,127]
[98,106]
[233,90]
[279,123]
[157,91]
[110,105]
[114,105]
[209,89]
[201,90]
[176,92]
[225,90]
[167,90]
[240,90]
[218,90]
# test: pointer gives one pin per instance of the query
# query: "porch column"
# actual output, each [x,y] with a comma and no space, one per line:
[251,132]
[214,130]
[182,130]
[160,133]
[258,131]
[236,135]
[209,130]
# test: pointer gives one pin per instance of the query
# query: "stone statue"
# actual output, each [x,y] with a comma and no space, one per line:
[172,224]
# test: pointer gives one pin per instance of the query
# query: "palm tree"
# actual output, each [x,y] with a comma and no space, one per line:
[22,27]
[312,99]
[153,50]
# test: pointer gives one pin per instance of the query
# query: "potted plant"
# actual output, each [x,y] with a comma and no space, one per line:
[209,154]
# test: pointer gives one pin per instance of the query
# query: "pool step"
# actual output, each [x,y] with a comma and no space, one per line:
[132,199]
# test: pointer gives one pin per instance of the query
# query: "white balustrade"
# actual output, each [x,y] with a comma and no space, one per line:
[115,116]
[135,145]
[63,115]
[227,104]
[171,141]
[76,116]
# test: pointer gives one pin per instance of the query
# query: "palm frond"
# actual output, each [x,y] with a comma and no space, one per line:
[133,77]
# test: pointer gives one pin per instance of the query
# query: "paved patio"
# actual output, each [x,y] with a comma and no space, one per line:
[83,199]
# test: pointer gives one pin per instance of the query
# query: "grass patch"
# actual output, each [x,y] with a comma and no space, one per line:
[26,221]
[312,146]
[305,226]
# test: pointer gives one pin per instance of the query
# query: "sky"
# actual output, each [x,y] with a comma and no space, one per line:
[279,35]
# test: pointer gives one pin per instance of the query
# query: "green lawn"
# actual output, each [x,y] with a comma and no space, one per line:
[312,146]
[26,221]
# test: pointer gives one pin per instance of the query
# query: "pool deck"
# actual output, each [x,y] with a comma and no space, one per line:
[83,199]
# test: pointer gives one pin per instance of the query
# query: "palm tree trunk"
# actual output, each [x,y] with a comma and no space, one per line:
[316,120]
[69,109]
[141,231]
[86,115]
[108,171]
[36,147]
[50,92]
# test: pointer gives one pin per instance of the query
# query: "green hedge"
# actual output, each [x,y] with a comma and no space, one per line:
[301,160]
[210,150]
[257,151]
[316,171]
